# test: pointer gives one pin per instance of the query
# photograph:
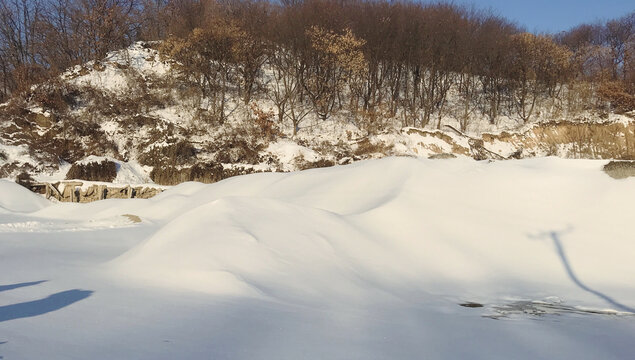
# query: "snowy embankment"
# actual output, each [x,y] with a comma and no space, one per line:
[369,261]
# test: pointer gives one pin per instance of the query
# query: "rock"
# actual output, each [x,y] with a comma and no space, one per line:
[74,191]
[620,169]
[442,156]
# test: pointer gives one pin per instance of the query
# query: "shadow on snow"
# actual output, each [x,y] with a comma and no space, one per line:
[565,262]
[39,307]
[19,285]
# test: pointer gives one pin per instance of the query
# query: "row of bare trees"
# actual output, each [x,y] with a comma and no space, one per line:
[39,38]
[322,56]
[604,56]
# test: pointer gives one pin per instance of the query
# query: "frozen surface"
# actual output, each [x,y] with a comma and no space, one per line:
[393,258]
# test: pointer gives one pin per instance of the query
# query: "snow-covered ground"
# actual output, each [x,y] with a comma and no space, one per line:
[366,261]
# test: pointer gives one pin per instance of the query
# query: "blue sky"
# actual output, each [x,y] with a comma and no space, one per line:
[554,15]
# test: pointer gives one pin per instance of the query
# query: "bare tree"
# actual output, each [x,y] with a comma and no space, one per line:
[336,59]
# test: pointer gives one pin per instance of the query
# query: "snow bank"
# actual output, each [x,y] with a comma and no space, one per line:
[15,198]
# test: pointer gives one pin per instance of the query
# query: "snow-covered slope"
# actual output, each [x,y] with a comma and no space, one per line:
[133,106]
[366,261]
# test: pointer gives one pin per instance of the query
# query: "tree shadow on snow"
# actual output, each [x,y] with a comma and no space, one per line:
[39,307]
[19,285]
[2,342]
[555,236]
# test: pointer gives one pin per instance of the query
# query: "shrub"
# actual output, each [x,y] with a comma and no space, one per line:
[55,95]
[179,153]
[616,93]
[238,144]
[170,175]
[93,171]
[366,147]
[264,122]
[25,180]
[237,151]
[322,163]
[372,121]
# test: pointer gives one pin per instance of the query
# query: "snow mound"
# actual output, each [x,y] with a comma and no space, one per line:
[15,198]
[397,228]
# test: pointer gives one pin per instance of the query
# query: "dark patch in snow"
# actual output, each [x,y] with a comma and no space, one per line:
[539,308]
[471,305]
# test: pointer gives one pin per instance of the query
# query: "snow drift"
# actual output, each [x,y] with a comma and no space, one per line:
[15,198]
[392,258]
[397,228]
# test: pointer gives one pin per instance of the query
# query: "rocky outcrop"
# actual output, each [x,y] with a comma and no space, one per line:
[76,191]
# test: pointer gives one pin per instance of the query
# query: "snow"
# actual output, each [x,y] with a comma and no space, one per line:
[16,153]
[288,152]
[415,142]
[369,261]
[113,73]
[55,175]
[17,199]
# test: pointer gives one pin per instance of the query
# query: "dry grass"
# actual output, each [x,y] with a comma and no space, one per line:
[586,140]
[365,147]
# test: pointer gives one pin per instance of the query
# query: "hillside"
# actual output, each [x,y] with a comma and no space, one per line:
[133,109]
